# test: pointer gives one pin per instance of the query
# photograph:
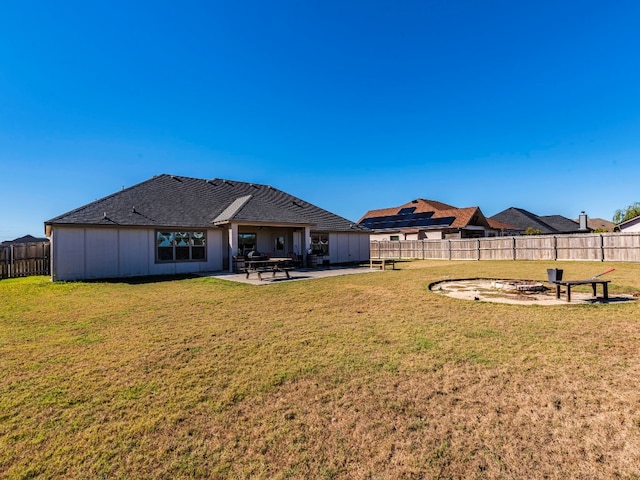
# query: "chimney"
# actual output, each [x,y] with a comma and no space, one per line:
[583,221]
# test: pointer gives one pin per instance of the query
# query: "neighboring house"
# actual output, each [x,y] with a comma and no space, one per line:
[503,229]
[546,224]
[25,239]
[629,226]
[176,225]
[426,219]
[598,224]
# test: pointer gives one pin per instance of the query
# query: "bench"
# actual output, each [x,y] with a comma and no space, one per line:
[591,281]
[382,263]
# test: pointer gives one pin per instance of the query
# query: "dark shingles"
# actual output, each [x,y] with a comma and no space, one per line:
[547,224]
[173,201]
[561,224]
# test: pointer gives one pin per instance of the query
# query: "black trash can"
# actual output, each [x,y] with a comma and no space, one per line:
[554,275]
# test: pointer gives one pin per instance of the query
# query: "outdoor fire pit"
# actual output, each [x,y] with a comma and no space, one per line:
[519,286]
[515,291]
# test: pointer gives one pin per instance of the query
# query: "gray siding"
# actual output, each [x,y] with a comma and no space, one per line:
[94,253]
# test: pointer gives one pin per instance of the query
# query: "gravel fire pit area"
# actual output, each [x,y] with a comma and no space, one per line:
[515,291]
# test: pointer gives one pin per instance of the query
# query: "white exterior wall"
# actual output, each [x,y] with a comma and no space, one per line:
[426,234]
[632,227]
[90,253]
[379,237]
[434,235]
[348,247]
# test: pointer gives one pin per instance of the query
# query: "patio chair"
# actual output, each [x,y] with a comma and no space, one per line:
[295,259]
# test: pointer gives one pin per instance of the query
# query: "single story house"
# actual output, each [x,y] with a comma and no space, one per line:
[629,226]
[177,225]
[597,224]
[545,224]
[24,239]
[422,219]
[503,229]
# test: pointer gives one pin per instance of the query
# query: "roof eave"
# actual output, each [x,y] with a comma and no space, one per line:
[263,223]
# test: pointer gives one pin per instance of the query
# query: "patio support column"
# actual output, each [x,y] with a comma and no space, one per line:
[306,244]
[233,244]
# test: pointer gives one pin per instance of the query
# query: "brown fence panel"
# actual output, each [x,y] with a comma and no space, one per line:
[621,247]
[5,259]
[386,249]
[497,248]
[436,249]
[25,259]
[535,247]
[411,249]
[604,247]
[465,249]
[374,249]
[579,247]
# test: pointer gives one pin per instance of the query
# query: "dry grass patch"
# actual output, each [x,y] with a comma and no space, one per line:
[360,376]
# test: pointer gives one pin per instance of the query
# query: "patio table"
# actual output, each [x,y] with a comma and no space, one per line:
[273,265]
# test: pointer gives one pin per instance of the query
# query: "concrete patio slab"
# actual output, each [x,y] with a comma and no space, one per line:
[296,275]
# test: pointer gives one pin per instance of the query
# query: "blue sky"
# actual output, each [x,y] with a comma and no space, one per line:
[349,105]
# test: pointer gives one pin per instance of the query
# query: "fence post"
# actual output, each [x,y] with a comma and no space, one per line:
[601,248]
[513,243]
[555,248]
[478,249]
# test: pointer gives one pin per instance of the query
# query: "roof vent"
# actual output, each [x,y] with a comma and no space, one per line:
[104,215]
[211,182]
[133,210]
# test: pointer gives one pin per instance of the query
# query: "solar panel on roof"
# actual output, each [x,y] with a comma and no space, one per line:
[406,210]
[410,220]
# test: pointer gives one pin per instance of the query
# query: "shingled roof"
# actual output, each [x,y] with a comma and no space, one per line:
[547,224]
[24,239]
[184,202]
[434,215]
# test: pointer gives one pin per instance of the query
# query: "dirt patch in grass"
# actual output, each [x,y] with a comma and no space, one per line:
[507,291]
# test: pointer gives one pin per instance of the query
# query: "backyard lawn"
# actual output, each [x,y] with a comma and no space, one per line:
[359,376]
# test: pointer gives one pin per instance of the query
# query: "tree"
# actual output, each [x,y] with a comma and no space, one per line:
[628,213]
[532,231]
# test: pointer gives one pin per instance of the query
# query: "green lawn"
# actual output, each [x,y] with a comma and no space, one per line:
[358,376]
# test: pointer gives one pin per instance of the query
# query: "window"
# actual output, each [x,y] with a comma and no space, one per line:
[320,244]
[394,238]
[279,243]
[180,246]
[246,243]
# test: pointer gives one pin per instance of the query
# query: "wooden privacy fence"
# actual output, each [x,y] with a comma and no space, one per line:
[24,259]
[603,247]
